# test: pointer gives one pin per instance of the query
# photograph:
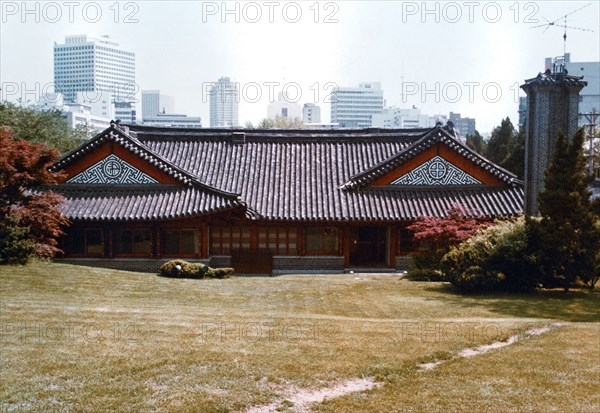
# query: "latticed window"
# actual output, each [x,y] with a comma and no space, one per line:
[225,239]
[278,240]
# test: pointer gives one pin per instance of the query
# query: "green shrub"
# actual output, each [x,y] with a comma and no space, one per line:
[477,279]
[425,274]
[428,259]
[181,269]
[495,259]
[16,246]
[184,269]
[219,272]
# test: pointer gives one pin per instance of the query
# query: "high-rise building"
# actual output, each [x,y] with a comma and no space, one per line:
[465,126]
[353,107]
[154,102]
[523,103]
[224,104]
[87,64]
[589,97]
[311,113]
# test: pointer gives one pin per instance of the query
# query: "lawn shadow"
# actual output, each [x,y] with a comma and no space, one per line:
[579,305]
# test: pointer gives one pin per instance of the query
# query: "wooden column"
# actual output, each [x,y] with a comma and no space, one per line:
[346,245]
[393,245]
[205,239]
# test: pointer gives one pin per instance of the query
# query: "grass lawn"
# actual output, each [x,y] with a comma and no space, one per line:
[76,339]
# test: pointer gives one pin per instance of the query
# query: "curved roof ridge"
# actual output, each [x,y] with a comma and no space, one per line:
[438,134]
[148,133]
[120,135]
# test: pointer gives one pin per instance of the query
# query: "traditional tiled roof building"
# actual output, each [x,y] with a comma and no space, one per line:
[269,200]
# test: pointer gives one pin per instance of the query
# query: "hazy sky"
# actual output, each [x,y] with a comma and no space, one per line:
[464,56]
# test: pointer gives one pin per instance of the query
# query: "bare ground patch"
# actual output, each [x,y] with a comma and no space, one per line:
[484,348]
[299,400]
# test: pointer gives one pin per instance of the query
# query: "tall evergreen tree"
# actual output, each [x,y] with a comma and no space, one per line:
[506,148]
[476,142]
[566,238]
[500,142]
[515,159]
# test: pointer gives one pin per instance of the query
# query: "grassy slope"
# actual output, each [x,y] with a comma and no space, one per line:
[83,339]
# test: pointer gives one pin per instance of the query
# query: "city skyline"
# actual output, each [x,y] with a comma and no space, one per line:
[424,57]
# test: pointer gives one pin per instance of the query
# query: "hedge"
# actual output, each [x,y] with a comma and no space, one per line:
[184,269]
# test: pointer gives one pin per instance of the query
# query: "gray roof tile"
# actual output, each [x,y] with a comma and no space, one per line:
[291,175]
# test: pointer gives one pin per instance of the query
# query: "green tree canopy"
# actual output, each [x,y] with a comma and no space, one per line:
[501,140]
[476,142]
[48,127]
[515,159]
[506,148]
[278,123]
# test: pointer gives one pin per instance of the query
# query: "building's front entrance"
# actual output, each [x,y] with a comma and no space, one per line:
[368,246]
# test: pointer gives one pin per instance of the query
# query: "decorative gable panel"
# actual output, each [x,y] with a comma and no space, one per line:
[112,170]
[436,171]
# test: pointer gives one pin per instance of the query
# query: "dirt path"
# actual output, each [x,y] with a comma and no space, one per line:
[299,400]
[472,352]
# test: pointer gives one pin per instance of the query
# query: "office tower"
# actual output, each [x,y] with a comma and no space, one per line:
[86,64]
[224,104]
[154,102]
[353,107]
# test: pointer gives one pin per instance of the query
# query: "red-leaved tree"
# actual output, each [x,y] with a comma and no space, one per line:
[29,214]
[434,236]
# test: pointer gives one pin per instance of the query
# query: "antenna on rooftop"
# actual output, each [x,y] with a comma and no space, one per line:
[562,22]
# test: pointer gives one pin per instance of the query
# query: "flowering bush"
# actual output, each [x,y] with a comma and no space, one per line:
[434,236]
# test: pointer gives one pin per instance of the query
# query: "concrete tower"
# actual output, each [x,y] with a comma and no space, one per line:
[553,106]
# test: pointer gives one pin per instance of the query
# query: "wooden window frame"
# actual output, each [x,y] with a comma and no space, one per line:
[180,254]
[338,251]
[86,254]
[116,235]
[400,251]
